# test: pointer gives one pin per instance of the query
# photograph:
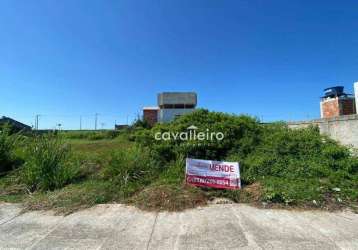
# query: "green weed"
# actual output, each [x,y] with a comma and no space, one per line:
[48,164]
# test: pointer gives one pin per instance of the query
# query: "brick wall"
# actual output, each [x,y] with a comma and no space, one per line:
[151,116]
[330,108]
[337,106]
[347,106]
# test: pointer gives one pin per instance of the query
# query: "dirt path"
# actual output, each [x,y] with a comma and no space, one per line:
[214,227]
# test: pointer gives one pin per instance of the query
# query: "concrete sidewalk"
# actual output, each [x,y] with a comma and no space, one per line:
[213,227]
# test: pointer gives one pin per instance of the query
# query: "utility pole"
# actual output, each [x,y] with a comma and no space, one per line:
[80,122]
[95,121]
[37,122]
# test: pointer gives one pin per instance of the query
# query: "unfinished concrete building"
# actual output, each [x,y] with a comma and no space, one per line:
[170,106]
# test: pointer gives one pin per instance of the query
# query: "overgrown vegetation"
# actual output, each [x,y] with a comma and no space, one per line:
[48,164]
[130,169]
[7,147]
[295,167]
[91,135]
[279,166]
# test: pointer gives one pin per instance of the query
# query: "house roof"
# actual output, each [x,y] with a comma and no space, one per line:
[150,108]
[13,122]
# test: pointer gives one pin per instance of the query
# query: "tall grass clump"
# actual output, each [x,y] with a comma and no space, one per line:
[7,146]
[130,169]
[48,163]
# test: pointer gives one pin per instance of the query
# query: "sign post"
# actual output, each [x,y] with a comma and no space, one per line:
[215,174]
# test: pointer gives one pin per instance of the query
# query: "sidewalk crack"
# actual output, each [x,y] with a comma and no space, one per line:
[11,219]
[152,232]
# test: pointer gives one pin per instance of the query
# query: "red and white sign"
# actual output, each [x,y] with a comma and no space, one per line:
[216,174]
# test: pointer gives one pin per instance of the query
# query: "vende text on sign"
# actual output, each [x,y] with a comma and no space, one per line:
[216,174]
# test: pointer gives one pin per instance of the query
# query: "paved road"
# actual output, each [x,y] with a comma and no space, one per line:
[214,227]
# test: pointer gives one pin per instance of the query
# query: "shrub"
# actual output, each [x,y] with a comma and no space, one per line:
[240,132]
[299,165]
[295,153]
[48,164]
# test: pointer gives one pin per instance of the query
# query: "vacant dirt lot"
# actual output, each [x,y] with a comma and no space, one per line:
[214,227]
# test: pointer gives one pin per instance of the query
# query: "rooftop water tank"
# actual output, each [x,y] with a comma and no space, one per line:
[334,91]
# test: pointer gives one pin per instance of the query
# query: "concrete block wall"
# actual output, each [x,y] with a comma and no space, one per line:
[356,94]
[168,115]
[343,129]
[172,98]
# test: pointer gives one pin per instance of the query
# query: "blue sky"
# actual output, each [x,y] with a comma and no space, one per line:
[272,59]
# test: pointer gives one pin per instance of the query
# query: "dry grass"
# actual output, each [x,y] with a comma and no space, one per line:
[73,197]
[252,193]
[169,198]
